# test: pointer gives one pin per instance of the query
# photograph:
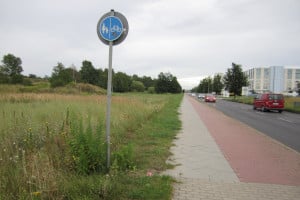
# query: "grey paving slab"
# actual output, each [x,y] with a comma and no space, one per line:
[197,189]
[195,151]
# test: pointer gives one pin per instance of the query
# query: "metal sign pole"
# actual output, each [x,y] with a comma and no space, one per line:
[112,29]
[109,103]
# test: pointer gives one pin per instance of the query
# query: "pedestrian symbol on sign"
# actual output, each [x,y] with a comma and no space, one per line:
[104,29]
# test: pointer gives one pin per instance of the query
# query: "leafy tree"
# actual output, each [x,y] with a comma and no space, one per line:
[88,73]
[209,85]
[61,76]
[163,83]
[136,77]
[102,78]
[205,86]
[121,82]
[3,78]
[55,79]
[73,73]
[194,89]
[137,86]
[167,83]
[175,86]
[11,69]
[33,76]
[76,76]
[217,84]
[235,79]
[146,80]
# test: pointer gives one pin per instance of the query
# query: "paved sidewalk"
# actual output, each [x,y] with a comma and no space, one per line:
[196,152]
[203,172]
[197,189]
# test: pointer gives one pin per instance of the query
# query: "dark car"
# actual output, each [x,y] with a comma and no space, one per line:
[269,101]
[209,98]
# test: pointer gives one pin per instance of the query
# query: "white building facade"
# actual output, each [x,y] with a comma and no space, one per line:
[292,78]
[276,79]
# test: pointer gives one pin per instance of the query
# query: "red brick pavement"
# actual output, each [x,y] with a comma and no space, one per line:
[253,156]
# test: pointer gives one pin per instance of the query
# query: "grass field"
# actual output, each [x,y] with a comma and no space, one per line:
[52,146]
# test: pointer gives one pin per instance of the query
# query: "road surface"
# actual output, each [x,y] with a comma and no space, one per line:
[283,127]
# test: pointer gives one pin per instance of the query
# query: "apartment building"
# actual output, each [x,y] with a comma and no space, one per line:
[292,78]
[277,79]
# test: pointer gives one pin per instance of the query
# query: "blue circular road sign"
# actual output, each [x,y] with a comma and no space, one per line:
[112,27]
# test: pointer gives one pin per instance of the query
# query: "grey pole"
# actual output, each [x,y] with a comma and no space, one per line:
[108,37]
[109,103]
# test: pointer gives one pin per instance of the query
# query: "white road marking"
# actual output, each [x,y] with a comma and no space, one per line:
[286,120]
[260,112]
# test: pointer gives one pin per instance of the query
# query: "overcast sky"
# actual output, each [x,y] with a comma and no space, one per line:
[190,39]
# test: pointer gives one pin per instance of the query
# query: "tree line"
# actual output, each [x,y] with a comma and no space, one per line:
[11,69]
[233,81]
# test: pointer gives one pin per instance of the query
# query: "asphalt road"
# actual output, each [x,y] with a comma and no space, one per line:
[283,127]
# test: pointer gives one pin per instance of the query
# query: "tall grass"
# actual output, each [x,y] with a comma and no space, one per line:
[44,87]
[53,146]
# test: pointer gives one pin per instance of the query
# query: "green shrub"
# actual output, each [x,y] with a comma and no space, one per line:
[137,86]
[123,159]
[151,90]
[87,148]
[27,82]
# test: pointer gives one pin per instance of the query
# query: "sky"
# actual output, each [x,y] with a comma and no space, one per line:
[190,39]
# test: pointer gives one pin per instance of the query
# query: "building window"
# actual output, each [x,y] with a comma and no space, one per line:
[297,74]
[289,85]
[250,74]
[266,73]
[266,85]
[258,73]
[289,74]
[257,85]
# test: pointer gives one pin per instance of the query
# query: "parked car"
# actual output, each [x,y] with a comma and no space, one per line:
[209,98]
[269,101]
[201,96]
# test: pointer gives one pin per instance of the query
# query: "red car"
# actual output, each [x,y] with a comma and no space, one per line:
[269,101]
[210,98]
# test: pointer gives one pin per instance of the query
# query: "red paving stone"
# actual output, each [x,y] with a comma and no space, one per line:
[253,156]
